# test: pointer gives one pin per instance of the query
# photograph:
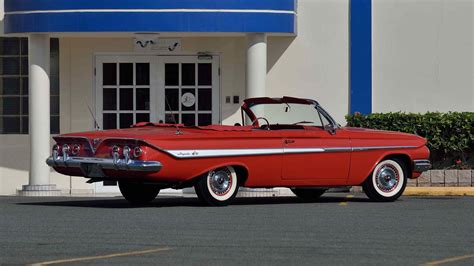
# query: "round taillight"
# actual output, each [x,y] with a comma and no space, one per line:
[66,149]
[76,149]
[137,152]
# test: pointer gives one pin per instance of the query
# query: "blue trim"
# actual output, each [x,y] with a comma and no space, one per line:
[360,56]
[29,5]
[182,21]
[150,22]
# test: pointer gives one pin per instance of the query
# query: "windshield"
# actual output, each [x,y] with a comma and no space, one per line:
[289,114]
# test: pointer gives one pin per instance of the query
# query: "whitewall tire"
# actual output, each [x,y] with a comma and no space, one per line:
[387,182]
[219,187]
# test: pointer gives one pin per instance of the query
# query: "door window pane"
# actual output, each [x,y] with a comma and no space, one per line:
[189,119]
[143,99]
[126,120]
[10,106]
[24,46]
[171,74]
[110,121]
[10,66]
[54,121]
[143,73]
[188,75]
[205,74]
[10,86]
[169,119]
[188,99]
[204,119]
[126,74]
[24,105]
[126,99]
[143,118]
[54,105]
[171,99]
[24,86]
[25,125]
[24,66]
[109,76]
[205,100]
[9,46]
[109,99]
[10,125]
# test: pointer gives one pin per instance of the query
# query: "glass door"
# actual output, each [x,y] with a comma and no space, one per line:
[191,90]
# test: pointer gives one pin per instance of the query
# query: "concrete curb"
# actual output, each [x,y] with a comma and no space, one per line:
[439,191]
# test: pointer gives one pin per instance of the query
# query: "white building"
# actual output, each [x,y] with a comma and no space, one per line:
[120,58]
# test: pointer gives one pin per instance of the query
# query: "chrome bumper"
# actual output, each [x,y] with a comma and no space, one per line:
[92,166]
[421,165]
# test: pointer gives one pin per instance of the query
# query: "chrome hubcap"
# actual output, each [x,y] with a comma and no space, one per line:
[387,178]
[220,181]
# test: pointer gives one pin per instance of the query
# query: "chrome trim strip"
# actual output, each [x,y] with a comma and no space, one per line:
[374,148]
[421,165]
[105,163]
[206,153]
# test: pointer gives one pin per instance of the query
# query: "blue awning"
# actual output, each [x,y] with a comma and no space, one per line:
[49,16]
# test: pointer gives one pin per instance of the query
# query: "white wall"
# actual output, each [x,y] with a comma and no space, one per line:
[423,55]
[315,63]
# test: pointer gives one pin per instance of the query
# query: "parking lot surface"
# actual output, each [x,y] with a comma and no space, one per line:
[340,229]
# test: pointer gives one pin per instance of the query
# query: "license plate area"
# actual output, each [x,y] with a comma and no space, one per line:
[92,170]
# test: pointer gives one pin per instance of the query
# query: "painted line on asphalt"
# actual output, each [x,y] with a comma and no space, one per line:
[448,260]
[123,254]
[344,203]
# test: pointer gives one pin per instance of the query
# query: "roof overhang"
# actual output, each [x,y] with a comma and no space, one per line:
[212,16]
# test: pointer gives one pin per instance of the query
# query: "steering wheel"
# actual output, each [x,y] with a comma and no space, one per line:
[255,122]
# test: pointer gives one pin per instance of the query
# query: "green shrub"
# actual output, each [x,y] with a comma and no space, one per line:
[450,135]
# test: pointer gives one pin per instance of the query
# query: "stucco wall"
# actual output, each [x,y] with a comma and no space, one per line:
[423,55]
[315,63]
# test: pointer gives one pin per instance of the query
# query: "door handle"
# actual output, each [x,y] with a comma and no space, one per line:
[289,141]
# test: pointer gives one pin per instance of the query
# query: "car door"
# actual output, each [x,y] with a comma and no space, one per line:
[317,156]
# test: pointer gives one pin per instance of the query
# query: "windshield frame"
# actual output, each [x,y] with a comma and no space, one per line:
[248,103]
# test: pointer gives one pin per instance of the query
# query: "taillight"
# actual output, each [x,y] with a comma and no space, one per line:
[137,152]
[66,149]
[76,148]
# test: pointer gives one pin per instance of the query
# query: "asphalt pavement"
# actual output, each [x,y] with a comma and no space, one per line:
[340,229]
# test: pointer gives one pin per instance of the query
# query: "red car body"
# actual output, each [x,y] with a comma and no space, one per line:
[272,156]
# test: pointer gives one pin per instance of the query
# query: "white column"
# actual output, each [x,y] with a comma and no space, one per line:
[39,125]
[256,65]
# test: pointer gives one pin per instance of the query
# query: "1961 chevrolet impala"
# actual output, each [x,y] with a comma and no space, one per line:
[287,142]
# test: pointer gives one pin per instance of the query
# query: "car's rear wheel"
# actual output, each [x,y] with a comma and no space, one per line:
[218,187]
[308,194]
[137,193]
[387,182]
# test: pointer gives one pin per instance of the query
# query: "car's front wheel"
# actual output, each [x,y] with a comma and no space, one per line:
[308,194]
[218,187]
[137,193]
[387,182]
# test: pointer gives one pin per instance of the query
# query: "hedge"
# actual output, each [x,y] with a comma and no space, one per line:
[450,135]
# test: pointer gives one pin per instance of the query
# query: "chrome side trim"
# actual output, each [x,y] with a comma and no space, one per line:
[105,163]
[374,148]
[207,153]
[421,165]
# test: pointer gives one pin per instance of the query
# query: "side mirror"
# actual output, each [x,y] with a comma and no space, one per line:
[330,128]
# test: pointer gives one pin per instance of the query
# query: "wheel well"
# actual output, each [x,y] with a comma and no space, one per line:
[242,174]
[405,159]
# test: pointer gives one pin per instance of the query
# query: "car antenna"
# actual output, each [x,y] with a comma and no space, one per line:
[96,125]
[178,132]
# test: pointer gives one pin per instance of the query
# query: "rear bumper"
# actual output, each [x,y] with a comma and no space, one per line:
[92,166]
[421,165]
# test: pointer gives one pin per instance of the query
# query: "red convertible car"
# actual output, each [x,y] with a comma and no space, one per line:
[282,142]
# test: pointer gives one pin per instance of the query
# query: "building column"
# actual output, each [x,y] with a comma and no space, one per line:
[39,115]
[256,65]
